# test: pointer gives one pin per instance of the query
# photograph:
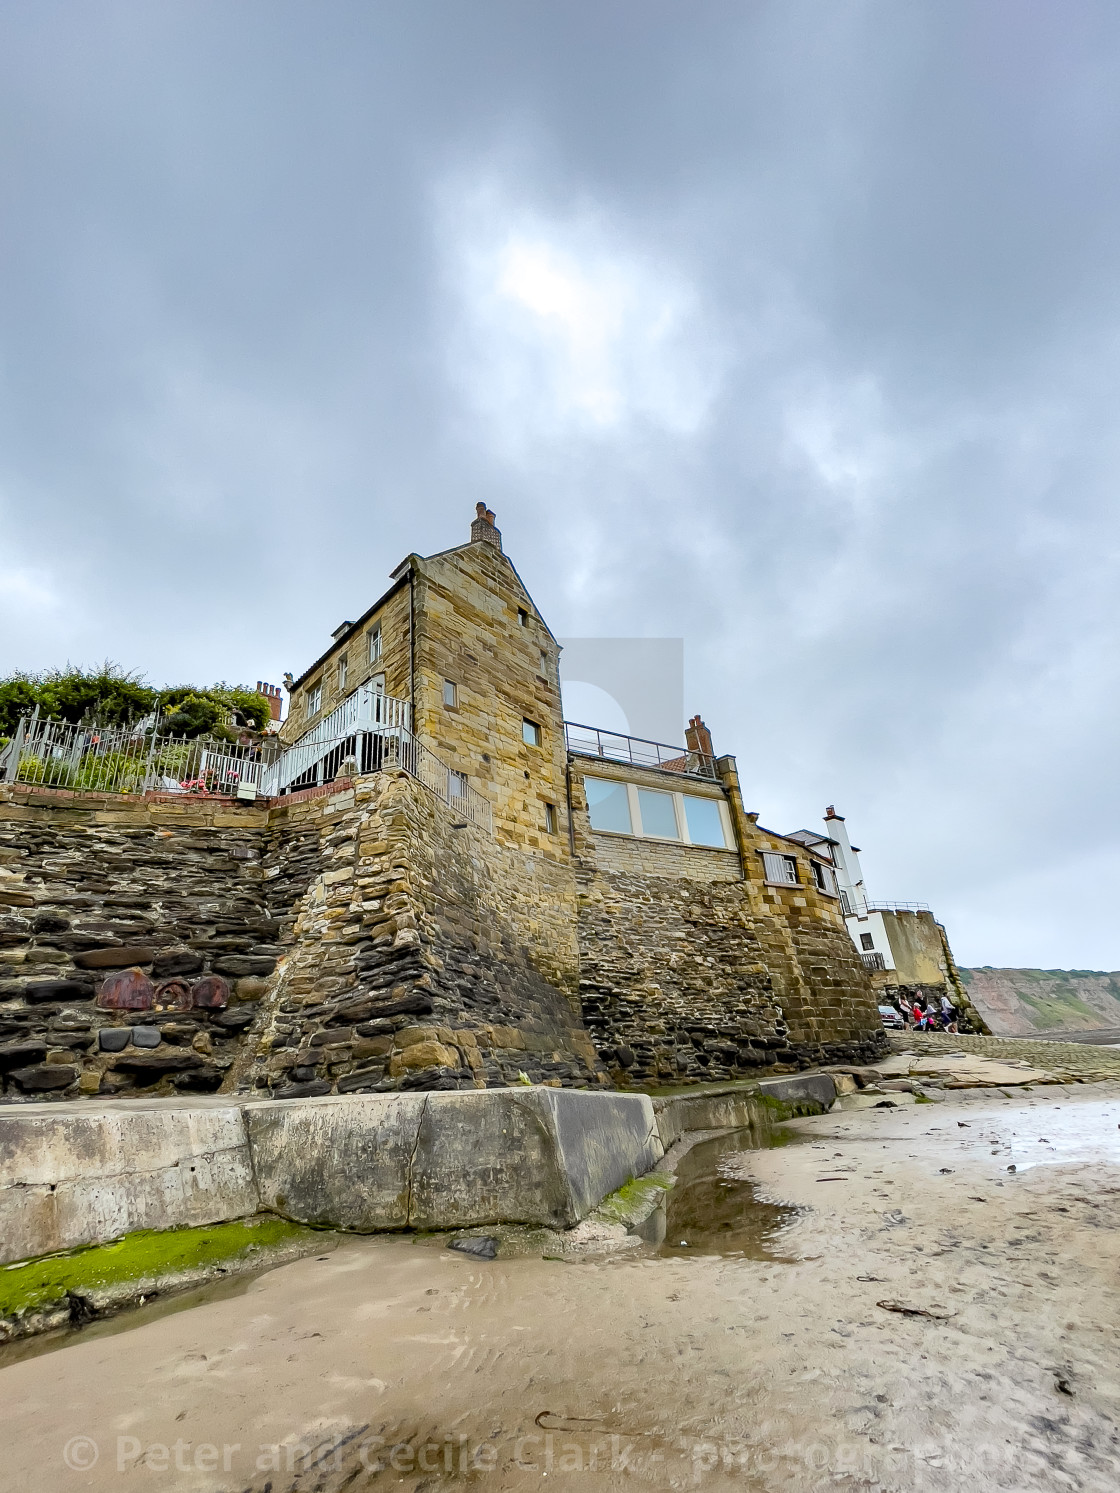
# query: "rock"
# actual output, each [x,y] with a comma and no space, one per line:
[816,1088]
[55,990]
[89,1082]
[210,994]
[116,958]
[14,930]
[361,1078]
[50,922]
[311,1090]
[14,1053]
[146,1036]
[428,1054]
[130,990]
[236,1020]
[250,988]
[114,1038]
[244,964]
[176,962]
[162,1060]
[202,1043]
[372,1007]
[45,1076]
[173,995]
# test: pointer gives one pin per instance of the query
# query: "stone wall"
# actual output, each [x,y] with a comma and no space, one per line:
[693,968]
[135,939]
[425,956]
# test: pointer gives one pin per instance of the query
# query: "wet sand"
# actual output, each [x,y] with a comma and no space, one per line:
[400,1363]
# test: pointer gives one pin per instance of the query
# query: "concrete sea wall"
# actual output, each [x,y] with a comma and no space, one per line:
[76,1174]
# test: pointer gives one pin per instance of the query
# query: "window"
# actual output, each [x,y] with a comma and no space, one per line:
[825,877]
[608,804]
[522,617]
[780,868]
[314,698]
[342,672]
[845,905]
[378,683]
[544,662]
[530,733]
[457,783]
[704,821]
[374,644]
[866,942]
[550,819]
[659,818]
[450,694]
[657,814]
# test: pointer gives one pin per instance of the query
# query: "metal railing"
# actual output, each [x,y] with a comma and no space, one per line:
[366,711]
[589,741]
[131,760]
[873,961]
[137,759]
[898,907]
[370,750]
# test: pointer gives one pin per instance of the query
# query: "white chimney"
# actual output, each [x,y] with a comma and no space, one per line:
[849,876]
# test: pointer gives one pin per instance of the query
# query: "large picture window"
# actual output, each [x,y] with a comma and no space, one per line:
[608,804]
[657,813]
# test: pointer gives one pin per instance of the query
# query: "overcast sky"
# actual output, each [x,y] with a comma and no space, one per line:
[787,328]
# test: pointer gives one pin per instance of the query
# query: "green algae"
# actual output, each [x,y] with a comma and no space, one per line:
[634,1199]
[144,1256]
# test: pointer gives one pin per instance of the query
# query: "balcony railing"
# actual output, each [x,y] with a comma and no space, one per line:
[589,741]
[873,961]
[898,907]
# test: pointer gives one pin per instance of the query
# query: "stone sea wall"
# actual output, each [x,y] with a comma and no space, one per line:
[365,939]
[717,975]
[135,941]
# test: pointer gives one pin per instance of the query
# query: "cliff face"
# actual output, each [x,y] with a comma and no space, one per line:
[1015,1001]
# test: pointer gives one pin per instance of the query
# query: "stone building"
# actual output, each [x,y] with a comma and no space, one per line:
[445,886]
[904,949]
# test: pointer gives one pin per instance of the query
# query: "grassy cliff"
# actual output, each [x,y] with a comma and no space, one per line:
[1016,1001]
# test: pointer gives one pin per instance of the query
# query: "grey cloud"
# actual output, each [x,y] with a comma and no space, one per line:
[242,351]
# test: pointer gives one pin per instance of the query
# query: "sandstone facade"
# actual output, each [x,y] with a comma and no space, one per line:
[362,936]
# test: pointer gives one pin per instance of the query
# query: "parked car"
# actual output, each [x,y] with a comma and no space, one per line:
[892,1018]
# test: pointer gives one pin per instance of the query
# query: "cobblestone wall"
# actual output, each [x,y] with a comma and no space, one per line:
[425,956]
[135,941]
[692,967]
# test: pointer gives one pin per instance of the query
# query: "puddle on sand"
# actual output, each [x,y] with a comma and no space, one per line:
[717,1212]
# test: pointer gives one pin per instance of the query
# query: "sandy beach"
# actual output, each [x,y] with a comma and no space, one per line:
[933,1308]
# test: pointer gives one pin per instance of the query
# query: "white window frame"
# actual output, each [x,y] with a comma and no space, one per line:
[314,699]
[551,820]
[824,878]
[343,668]
[452,689]
[538,730]
[791,864]
[374,636]
[637,830]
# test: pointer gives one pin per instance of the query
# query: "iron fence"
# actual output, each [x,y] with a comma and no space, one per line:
[589,741]
[131,760]
[137,759]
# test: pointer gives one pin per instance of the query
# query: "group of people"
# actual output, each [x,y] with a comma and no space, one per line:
[932,1017]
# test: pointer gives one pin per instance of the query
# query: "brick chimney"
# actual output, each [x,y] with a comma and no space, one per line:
[483,530]
[271,692]
[698,738]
